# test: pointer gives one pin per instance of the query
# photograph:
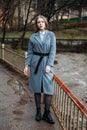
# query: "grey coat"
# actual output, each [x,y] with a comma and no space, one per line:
[41,79]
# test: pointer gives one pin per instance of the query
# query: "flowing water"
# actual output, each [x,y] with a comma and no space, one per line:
[72,70]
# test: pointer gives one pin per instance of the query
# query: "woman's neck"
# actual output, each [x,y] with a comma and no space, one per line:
[42,30]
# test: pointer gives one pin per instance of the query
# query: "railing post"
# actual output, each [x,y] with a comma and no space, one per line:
[25,54]
[3,54]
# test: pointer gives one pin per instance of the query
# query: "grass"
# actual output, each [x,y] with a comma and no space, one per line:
[72,34]
[16,34]
[78,33]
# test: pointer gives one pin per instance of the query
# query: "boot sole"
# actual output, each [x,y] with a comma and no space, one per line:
[45,119]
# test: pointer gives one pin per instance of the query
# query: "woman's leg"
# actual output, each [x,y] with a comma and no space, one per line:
[46,115]
[37,97]
[47,101]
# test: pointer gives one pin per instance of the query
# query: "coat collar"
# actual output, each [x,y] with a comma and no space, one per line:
[37,36]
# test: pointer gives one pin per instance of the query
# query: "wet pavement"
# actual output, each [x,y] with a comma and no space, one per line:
[72,70]
[17,108]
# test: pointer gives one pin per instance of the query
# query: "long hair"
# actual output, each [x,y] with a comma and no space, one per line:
[45,20]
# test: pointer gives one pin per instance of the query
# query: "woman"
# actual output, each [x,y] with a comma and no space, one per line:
[40,58]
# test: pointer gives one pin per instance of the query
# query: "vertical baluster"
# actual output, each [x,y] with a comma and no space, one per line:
[73,121]
[64,97]
[58,98]
[71,110]
[82,122]
[55,93]
[72,115]
[67,115]
[77,119]
[62,106]
[59,101]
[66,112]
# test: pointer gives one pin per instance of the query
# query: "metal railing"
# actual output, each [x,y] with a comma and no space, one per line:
[12,58]
[71,113]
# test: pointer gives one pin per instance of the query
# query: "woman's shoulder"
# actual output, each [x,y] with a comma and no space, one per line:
[32,35]
[51,33]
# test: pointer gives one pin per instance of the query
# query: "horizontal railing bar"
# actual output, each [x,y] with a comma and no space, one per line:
[14,52]
[73,97]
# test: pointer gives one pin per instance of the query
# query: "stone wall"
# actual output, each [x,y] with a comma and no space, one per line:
[72,45]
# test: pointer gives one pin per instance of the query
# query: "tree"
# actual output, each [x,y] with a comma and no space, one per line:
[7,13]
[25,25]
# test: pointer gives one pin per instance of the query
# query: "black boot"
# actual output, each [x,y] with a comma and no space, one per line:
[38,115]
[47,117]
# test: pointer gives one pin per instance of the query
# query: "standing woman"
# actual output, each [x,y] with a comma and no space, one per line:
[40,58]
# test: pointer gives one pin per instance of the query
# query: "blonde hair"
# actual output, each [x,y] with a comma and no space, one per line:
[45,20]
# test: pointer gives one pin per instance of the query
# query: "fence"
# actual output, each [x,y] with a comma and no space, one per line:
[71,113]
[12,58]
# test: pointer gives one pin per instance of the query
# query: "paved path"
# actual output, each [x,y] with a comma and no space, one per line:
[17,110]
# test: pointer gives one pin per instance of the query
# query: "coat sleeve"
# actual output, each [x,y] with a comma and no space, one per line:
[30,53]
[52,52]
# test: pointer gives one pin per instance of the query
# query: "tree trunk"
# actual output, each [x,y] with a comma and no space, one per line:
[56,21]
[80,14]
[25,26]
[4,32]
[19,13]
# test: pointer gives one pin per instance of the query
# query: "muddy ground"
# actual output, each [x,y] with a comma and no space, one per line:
[17,108]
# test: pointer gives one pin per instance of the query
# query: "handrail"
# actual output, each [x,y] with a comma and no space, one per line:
[71,113]
[72,96]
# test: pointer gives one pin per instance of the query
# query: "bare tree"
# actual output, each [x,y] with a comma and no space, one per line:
[19,14]
[25,25]
[7,13]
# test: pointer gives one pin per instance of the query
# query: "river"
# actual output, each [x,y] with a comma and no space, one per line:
[72,70]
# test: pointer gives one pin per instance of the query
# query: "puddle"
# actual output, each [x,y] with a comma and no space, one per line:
[17,86]
[20,90]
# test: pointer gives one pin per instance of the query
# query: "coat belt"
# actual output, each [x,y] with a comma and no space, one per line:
[39,61]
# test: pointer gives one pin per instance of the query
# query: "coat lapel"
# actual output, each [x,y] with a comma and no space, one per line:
[37,37]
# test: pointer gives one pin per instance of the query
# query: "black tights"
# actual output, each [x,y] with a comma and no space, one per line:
[47,100]
[37,97]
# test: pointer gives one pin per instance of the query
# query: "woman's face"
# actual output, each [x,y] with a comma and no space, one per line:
[41,24]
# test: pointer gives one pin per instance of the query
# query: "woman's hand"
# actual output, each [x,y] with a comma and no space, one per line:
[47,70]
[26,70]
